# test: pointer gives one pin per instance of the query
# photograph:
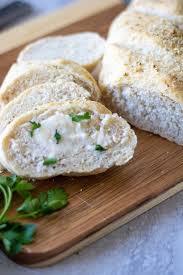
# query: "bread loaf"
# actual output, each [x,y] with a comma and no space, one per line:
[142,69]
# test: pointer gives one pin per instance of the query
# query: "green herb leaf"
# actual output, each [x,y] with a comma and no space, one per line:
[56,199]
[46,203]
[7,195]
[17,184]
[30,206]
[35,126]
[14,235]
[11,184]
[57,136]
[50,161]
[99,148]
[78,118]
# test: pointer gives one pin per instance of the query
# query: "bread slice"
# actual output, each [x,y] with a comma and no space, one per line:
[71,138]
[26,75]
[42,94]
[146,92]
[85,48]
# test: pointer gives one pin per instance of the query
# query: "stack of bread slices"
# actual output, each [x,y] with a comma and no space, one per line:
[51,121]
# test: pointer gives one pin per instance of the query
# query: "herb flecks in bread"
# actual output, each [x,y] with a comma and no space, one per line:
[78,118]
[34,126]
[57,136]
[49,161]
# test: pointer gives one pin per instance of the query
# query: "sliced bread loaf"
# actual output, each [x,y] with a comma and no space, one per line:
[26,75]
[70,138]
[145,91]
[41,94]
[85,48]
[142,72]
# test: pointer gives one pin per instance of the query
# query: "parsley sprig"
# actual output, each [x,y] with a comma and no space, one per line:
[78,118]
[13,234]
[45,203]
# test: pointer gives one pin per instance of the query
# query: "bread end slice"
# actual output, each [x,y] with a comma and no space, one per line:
[85,48]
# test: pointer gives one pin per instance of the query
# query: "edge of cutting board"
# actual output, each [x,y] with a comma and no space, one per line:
[111,227]
[63,17]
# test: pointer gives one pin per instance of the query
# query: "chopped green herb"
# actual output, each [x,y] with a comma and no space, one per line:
[45,203]
[78,118]
[50,161]
[57,136]
[13,235]
[98,147]
[35,126]
[9,185]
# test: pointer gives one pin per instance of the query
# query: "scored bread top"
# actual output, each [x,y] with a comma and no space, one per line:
[89,146]
[28,74]
[122,67]
[148,34]
[145,50]
[85,48]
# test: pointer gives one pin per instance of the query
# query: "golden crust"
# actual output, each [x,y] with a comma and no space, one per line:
[122,67]
[146,51]
[29,71]
[39,95]
[145,30]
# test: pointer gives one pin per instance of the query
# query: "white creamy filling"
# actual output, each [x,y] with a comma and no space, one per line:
[77,144]
[71,134]
[74,135]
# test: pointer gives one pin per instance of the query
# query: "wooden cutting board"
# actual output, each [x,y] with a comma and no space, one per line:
[98,204]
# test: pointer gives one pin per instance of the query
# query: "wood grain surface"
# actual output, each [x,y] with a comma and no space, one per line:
[100,204]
